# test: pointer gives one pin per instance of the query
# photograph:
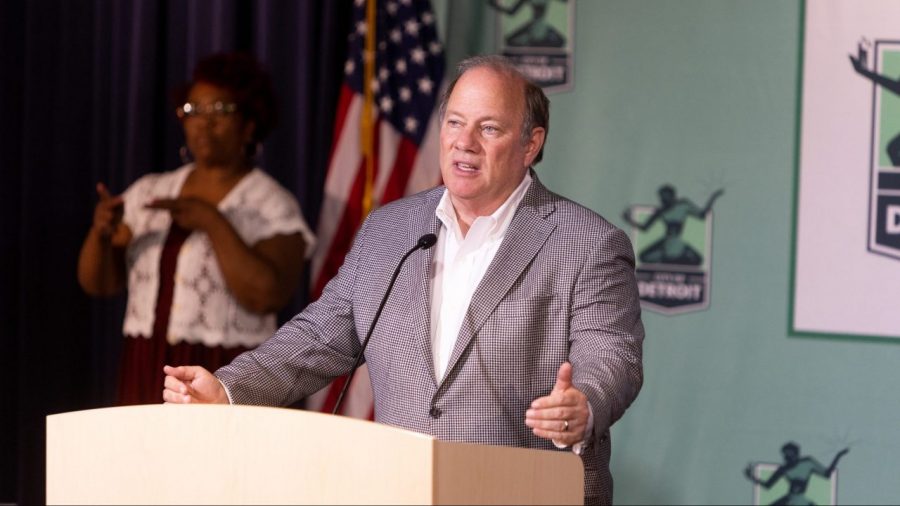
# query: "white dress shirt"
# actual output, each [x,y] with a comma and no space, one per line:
[459,264]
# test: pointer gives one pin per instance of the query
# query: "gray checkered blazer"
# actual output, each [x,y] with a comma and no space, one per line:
[561,287]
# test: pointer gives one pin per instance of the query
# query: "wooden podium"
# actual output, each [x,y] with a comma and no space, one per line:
[192,454]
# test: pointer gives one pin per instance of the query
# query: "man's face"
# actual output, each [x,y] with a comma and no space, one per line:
[483,157]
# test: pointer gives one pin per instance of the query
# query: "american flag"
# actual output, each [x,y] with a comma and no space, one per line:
[394,155]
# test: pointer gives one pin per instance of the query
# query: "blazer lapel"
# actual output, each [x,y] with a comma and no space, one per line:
[420,266]
[527,233]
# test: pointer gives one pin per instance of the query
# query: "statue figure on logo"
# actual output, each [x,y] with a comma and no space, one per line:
[535,33]
[673,212]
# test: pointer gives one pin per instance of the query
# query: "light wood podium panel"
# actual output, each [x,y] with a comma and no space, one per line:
[193,454]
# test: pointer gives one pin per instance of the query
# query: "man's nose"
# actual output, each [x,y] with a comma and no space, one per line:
[465,139]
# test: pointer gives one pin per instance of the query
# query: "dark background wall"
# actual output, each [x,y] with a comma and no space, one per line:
[84,97]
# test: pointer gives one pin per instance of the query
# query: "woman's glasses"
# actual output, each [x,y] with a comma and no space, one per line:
[216,109]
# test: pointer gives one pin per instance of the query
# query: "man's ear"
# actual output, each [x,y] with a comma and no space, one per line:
[534,144]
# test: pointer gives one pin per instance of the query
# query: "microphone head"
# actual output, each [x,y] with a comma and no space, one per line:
[427,241]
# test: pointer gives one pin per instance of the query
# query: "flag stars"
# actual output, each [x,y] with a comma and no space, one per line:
[411,124]
[418,55]
[404,79]
[411,27]
[426,85]
[386,104]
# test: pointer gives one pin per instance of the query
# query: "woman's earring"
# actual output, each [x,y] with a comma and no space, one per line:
[184,154]
[253,151]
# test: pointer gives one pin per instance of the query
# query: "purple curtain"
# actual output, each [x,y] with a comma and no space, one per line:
[84,97]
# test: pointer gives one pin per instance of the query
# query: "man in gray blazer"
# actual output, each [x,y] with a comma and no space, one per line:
[521,327]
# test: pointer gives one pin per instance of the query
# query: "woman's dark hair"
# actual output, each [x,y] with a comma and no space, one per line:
[248,83]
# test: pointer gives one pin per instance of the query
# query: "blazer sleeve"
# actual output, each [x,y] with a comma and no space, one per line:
[306,353]
[606,333]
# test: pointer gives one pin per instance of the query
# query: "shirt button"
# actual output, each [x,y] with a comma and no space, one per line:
[435,412]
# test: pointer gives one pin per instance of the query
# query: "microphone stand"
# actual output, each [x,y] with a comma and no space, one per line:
[425,242]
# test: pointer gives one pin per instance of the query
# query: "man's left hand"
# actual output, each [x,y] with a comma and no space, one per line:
[561,416]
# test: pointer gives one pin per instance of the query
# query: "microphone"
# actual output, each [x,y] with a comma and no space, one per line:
[424,242]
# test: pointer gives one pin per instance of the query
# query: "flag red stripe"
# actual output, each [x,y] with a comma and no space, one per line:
[403,166]
[344,102]
[344,234]
[351,219]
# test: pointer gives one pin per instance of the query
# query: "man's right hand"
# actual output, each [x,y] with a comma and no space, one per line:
[190,384]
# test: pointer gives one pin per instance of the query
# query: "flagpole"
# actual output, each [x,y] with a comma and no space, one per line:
[367,125]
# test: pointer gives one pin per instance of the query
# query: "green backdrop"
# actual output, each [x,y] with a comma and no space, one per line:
[704,94]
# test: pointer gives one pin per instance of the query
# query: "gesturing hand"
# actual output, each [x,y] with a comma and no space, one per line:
[191,384]
[189,213]
[561,416]
[108,212]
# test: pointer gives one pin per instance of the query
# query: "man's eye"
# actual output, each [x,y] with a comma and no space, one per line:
[488,129]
